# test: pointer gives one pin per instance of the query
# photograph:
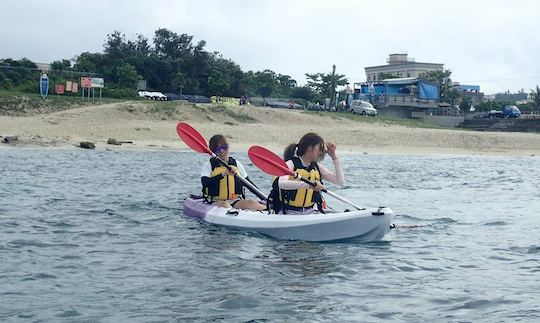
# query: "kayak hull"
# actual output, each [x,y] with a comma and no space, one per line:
[363,225]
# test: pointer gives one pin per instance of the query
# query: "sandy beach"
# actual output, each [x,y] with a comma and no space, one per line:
[152,125]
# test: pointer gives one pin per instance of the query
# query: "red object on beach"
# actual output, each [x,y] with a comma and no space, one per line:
[59,88]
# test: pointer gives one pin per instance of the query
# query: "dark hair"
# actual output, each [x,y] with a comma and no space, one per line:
[308,140]
[215,141]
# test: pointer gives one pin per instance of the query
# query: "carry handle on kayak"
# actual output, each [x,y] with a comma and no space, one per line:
[272,164]
[196,141]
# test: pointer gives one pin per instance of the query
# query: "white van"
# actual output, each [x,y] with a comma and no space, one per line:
[363,108]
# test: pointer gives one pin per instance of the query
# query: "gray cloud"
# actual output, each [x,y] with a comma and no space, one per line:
[492,43]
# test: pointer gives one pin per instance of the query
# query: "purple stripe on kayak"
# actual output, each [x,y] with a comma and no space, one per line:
[196,208]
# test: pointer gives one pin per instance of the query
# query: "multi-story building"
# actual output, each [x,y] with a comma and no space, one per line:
[400,65]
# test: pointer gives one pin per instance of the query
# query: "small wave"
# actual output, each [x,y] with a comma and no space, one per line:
[68,313]
[406,216]
[443,220]
[482,303]
[32,243]
[386,315]
[239,302]
[60,224]
[495,223]
[39,276]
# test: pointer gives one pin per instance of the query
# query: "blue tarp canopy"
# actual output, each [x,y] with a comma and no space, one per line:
[427,91]
[399,86]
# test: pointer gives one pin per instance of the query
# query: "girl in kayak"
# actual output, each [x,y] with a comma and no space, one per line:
[304,158]
[220,186]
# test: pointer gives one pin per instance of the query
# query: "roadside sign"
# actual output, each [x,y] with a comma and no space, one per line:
[97,82]
[44,85]
[86,82]
[59,88]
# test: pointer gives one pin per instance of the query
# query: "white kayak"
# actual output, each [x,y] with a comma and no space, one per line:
[365,225]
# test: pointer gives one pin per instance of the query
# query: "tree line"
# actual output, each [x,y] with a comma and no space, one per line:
[173,62]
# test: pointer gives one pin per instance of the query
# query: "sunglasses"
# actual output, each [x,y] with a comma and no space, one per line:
[221,148]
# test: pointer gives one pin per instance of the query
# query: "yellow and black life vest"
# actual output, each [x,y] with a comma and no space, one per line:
[297,199]
[229,187]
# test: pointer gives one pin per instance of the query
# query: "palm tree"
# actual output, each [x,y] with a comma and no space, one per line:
[535,97]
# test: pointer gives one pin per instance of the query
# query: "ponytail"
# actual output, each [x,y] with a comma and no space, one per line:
[308,140]
[289,152]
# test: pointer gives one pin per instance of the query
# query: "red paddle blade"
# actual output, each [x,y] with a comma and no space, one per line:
[192,138]
[268,162]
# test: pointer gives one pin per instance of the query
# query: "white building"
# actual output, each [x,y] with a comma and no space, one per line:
[399,65]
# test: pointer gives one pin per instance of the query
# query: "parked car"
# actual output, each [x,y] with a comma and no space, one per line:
[511,111]
[363,108]
[152,95]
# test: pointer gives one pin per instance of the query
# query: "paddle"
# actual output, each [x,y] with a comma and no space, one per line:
[272,164]
[196,141]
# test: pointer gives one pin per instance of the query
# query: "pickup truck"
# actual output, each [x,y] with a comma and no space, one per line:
[508,111]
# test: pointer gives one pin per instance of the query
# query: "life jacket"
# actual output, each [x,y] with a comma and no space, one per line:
[281,200]
[229,187]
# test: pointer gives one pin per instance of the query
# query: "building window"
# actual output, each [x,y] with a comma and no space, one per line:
[408,74]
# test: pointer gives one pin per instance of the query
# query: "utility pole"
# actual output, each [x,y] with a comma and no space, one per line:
[333,85]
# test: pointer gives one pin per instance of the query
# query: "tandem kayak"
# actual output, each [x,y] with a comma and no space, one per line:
[365,225]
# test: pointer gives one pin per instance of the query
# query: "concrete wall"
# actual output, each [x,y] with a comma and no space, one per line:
[394,112]
[444,121]
[516,125]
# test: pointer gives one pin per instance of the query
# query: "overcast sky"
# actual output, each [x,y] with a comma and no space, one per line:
[495,44]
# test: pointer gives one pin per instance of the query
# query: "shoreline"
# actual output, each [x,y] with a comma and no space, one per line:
[152,126]
[243,148]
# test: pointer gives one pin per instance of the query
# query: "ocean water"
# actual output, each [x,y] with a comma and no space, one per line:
[100,236]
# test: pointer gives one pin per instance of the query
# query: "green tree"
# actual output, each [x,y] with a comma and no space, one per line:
[303,92]
[89,62]
[170,44]
[325,84]
[266,82]
[465,105]
[62,65]
[179,82]
[218,83]
[535,97]
[127,75]
[448,92]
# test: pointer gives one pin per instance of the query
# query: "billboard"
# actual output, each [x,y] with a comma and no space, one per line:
[59,88]
[97,82]
[86,82]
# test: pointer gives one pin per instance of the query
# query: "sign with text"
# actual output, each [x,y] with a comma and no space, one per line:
[97,82]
